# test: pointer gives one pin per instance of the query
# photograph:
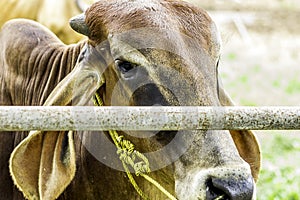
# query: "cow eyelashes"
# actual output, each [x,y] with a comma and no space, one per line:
[124,66]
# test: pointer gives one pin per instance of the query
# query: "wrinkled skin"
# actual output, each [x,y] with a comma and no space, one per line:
[138,54]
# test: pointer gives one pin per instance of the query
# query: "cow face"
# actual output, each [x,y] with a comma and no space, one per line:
[170,61]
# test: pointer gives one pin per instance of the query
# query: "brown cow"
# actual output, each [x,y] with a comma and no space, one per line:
[138,53]
[54,14]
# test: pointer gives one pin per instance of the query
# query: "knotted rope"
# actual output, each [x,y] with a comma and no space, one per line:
[133,158]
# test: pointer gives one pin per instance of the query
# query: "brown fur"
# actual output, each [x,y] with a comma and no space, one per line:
[36,69]
[28,81]
[105,17]
[52,14]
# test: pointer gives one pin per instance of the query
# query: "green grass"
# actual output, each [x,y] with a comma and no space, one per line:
[256,68]
[246,102]
[293,86]
[244,79]
[231,56]
[276,83]
[280,174]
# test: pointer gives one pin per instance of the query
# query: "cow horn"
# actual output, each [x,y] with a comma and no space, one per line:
[78,24]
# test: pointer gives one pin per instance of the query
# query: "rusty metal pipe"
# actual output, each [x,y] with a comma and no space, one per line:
[15,118]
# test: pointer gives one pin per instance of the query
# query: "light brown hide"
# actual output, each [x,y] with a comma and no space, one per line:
[38,77]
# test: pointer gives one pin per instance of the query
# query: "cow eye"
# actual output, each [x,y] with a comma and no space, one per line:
[124,66]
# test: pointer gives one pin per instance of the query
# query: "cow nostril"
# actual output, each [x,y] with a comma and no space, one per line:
[230,188]
[214,193]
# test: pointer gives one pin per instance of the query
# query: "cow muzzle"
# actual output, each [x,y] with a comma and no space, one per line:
[233,189]
[217,184]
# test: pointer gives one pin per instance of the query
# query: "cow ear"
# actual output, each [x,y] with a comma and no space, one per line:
[43,164]
[245,140]
[78,24]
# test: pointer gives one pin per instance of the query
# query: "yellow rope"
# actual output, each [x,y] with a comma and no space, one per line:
[128,156]
[161,188]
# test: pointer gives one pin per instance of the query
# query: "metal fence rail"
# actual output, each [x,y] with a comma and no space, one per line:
[13,118]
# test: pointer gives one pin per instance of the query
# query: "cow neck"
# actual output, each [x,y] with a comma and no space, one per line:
[133,158]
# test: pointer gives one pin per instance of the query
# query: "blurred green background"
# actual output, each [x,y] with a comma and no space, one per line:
[260,66]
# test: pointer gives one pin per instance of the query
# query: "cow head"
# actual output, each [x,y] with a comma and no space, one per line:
[164,53]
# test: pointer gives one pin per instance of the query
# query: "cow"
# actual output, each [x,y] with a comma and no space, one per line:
[138,53]
[53,14]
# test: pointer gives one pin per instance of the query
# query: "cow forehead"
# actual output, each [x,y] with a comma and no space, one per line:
[164,46]
[159,47]
[112,16]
